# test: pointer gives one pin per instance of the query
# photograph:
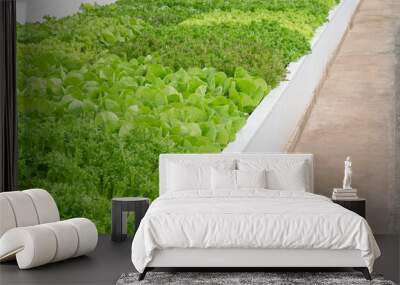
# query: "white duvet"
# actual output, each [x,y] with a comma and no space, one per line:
[250,219]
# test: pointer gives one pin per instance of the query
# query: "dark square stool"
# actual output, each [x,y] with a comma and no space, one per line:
[120,208]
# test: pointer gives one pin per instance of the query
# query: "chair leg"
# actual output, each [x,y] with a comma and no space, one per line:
[143,274]
[364,271]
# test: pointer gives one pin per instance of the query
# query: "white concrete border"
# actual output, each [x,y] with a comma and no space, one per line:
[270,126]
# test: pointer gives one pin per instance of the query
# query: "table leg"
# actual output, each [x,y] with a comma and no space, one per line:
[117,222]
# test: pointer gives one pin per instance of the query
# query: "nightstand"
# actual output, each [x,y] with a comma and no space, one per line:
[357,205]
[120,207]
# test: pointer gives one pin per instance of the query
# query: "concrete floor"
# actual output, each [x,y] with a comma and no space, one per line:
[357,113]
[110,259]
[103,266]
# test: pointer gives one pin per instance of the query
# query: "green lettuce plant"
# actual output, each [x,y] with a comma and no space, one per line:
[103,92]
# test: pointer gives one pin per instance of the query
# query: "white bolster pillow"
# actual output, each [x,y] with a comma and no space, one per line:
[67,240]
[37,245]
[7,218]
[87,235]
[26,208]
[32,246]
[45,205]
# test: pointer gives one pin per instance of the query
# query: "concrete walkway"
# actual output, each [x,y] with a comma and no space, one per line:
[357,113]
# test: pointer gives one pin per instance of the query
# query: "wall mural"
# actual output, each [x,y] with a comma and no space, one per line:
[103,92]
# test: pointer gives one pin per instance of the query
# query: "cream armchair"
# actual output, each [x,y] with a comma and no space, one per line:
[31,231]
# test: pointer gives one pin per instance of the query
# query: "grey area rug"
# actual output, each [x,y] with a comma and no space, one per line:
[269,278]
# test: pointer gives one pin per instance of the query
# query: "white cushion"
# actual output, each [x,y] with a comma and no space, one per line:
[23,208]
[26,208]
[282,174]
[87,233]
[251,178]
[45,205]
[67,240]
[7,220]
[40,244]
[186,174]
[230,159]
[188,177]
[34,244]
[227,179]
[223,179]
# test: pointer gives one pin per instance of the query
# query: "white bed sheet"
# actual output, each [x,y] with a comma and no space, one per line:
[250,218]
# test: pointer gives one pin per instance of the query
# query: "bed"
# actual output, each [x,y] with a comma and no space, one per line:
[244,211]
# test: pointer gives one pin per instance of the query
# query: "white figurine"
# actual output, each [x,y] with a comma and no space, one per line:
[347,174]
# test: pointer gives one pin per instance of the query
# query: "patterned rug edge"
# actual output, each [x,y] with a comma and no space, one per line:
[267,278]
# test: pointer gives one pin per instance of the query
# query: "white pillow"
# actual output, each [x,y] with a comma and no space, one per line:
[292,179]
[188,177]
[194,173]
[223,179]
[282,174]
[227,179]
[251,178]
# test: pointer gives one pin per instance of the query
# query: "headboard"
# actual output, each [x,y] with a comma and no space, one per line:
[167,158]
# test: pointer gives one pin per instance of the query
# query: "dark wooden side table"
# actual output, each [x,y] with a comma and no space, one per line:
[120,208]
[357,206]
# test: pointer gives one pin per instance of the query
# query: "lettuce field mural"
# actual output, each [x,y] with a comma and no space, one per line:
[102,93]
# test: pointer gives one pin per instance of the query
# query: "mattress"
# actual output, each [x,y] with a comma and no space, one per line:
[250,219]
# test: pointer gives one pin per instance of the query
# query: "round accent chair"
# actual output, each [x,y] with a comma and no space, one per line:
[31,231]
